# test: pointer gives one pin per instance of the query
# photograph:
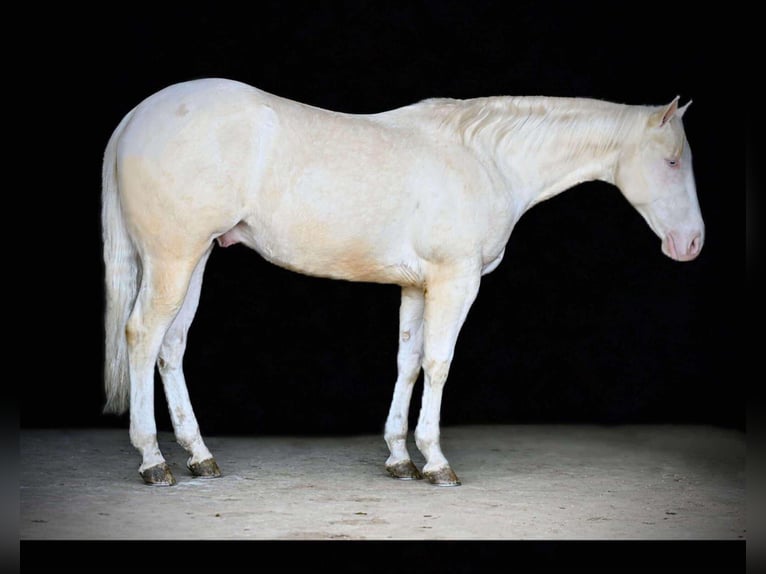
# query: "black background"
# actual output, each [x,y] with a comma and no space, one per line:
[584,321]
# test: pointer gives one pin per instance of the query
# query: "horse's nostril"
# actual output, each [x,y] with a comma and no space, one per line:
[694,246]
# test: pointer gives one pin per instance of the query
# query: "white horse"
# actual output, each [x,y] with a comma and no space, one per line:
[424,196]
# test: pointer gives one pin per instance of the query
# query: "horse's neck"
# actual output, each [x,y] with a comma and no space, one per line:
[543,146]
[553,172]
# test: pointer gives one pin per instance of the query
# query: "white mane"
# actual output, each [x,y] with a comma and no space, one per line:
[576,125]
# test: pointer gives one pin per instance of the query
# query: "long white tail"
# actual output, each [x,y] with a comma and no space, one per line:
[122,278]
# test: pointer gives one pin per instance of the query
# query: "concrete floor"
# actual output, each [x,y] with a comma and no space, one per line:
[519,482]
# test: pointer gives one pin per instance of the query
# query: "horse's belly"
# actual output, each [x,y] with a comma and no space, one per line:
[311,251]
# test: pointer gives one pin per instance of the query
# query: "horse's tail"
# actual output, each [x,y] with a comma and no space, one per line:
[122,278]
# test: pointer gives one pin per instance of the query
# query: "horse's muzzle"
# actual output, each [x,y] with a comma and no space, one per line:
[682,246]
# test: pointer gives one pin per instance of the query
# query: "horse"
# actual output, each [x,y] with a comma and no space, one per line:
[423,196]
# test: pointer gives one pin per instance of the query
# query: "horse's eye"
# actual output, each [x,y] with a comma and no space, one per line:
[672,162]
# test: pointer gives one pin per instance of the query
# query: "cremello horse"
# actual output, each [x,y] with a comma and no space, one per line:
[424,196]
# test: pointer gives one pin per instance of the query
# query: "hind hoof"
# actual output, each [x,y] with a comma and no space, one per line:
[404,470]
[158,475]
[442,477]
[205,469]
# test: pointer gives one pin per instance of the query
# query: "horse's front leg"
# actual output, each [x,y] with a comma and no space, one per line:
[409,358]
[447,301]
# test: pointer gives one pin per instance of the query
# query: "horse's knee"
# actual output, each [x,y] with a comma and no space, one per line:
[437,371]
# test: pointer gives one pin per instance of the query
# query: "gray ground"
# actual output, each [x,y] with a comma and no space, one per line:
[519,482]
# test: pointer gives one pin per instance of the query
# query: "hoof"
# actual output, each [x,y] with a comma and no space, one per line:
[404,470]
[205,469]
[442,477]
[158,475]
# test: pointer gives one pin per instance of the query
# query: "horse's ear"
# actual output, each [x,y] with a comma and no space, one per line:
[682,109]
[665,114]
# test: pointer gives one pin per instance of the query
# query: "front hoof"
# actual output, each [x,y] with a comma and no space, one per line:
[205,469]
[158,475]
[404,470]
[442,477]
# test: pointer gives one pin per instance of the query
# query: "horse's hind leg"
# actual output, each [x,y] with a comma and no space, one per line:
[170,364]
[164,284]
[409,357]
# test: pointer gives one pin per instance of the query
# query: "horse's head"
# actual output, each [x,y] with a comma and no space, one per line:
[655,174]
